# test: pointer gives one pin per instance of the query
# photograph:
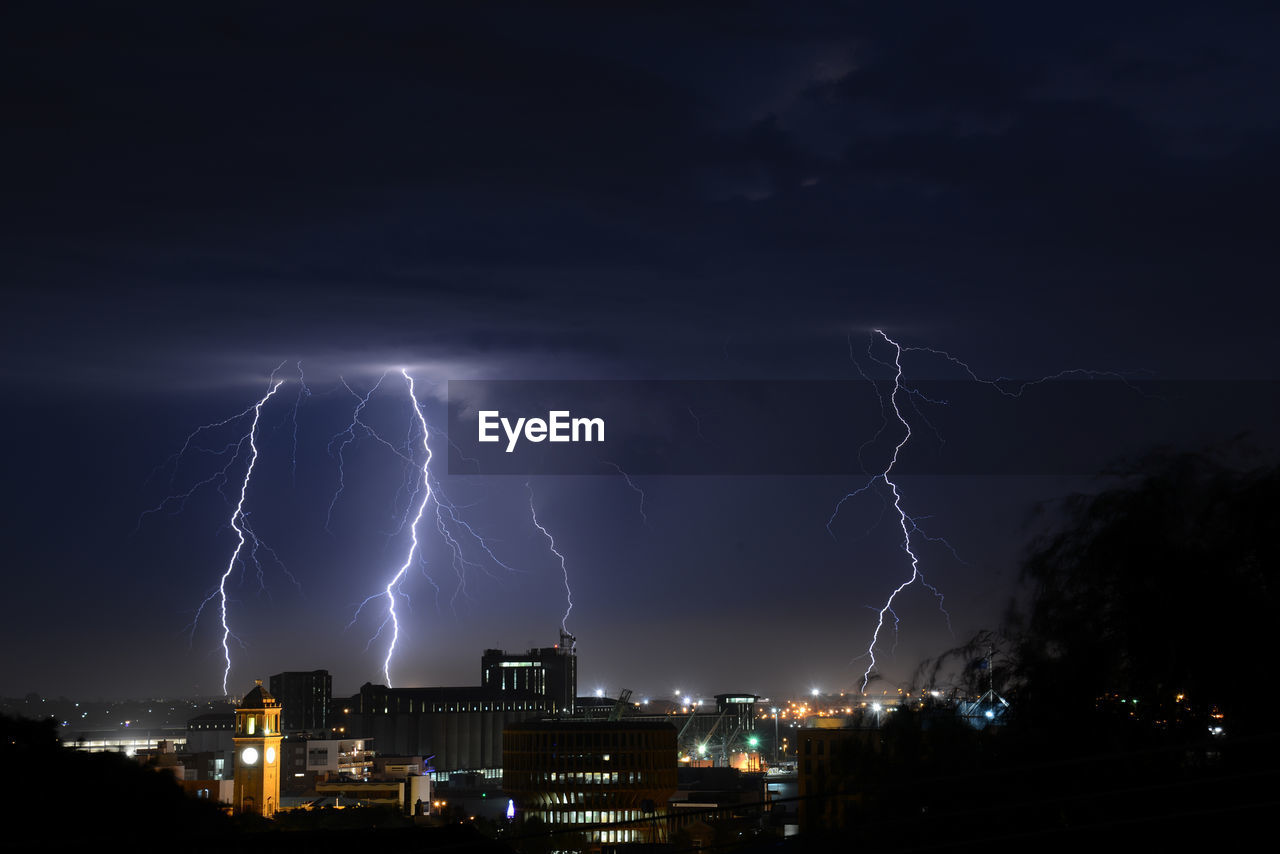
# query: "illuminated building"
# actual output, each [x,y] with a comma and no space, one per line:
[339,758]
[550,671]
[305,762]
[586,775]
[257,750]
[738,710]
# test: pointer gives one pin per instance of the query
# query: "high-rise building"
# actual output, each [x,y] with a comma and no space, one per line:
[257,739]
[305,696]
[549,671]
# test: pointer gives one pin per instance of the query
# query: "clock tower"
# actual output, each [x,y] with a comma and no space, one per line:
[257,741]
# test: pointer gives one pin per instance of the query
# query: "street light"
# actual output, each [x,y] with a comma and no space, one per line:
[775,735]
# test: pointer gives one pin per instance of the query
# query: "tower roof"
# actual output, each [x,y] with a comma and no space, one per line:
[258,698]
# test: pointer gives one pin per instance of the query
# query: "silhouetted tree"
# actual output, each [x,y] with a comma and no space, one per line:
[1164,586]
[75,797]
[963,669]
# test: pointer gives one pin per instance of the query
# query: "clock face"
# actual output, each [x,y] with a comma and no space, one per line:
[271,755]
[249,755]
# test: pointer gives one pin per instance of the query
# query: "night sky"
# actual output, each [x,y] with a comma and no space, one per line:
[626,191]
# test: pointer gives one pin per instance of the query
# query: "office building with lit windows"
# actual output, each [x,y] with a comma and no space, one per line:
[610,780]
[549,671]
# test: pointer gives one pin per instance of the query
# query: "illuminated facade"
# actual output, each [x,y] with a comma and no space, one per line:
[609,780]
[339,757]
[257,764]
[551,671]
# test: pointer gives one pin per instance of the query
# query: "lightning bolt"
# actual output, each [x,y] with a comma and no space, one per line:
[551,544]
[178,500]
[348,436]
[221,476]
[631,483]
[393,585]
[910,526]
[446,512]
[1010,387]
[251,551]
[697,422]
[258,544]
[453,528]
[244,446]
[238,524]
[303,390]
[176,458]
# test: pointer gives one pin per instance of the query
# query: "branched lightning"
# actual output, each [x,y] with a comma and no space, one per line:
[251,552]
[175,458]
[188,445]
[447,510]
[697,422]
[631,483]
[1010,387]
[453,528]
[243,534]
[905,522]
[447,517]
[392,588]
[447,513]
[180,499]
[911,525]
[244,447]
[551,544]
[303,391]
[258,544]
[348,436]
[896,623]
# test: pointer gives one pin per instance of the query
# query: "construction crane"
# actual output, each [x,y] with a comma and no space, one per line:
[624,696]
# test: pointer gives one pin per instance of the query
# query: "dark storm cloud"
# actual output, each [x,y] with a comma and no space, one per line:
[1056,135]
[398,150]
[565,179]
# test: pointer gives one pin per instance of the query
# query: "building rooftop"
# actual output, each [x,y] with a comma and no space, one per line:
[258,698]
[583,724]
